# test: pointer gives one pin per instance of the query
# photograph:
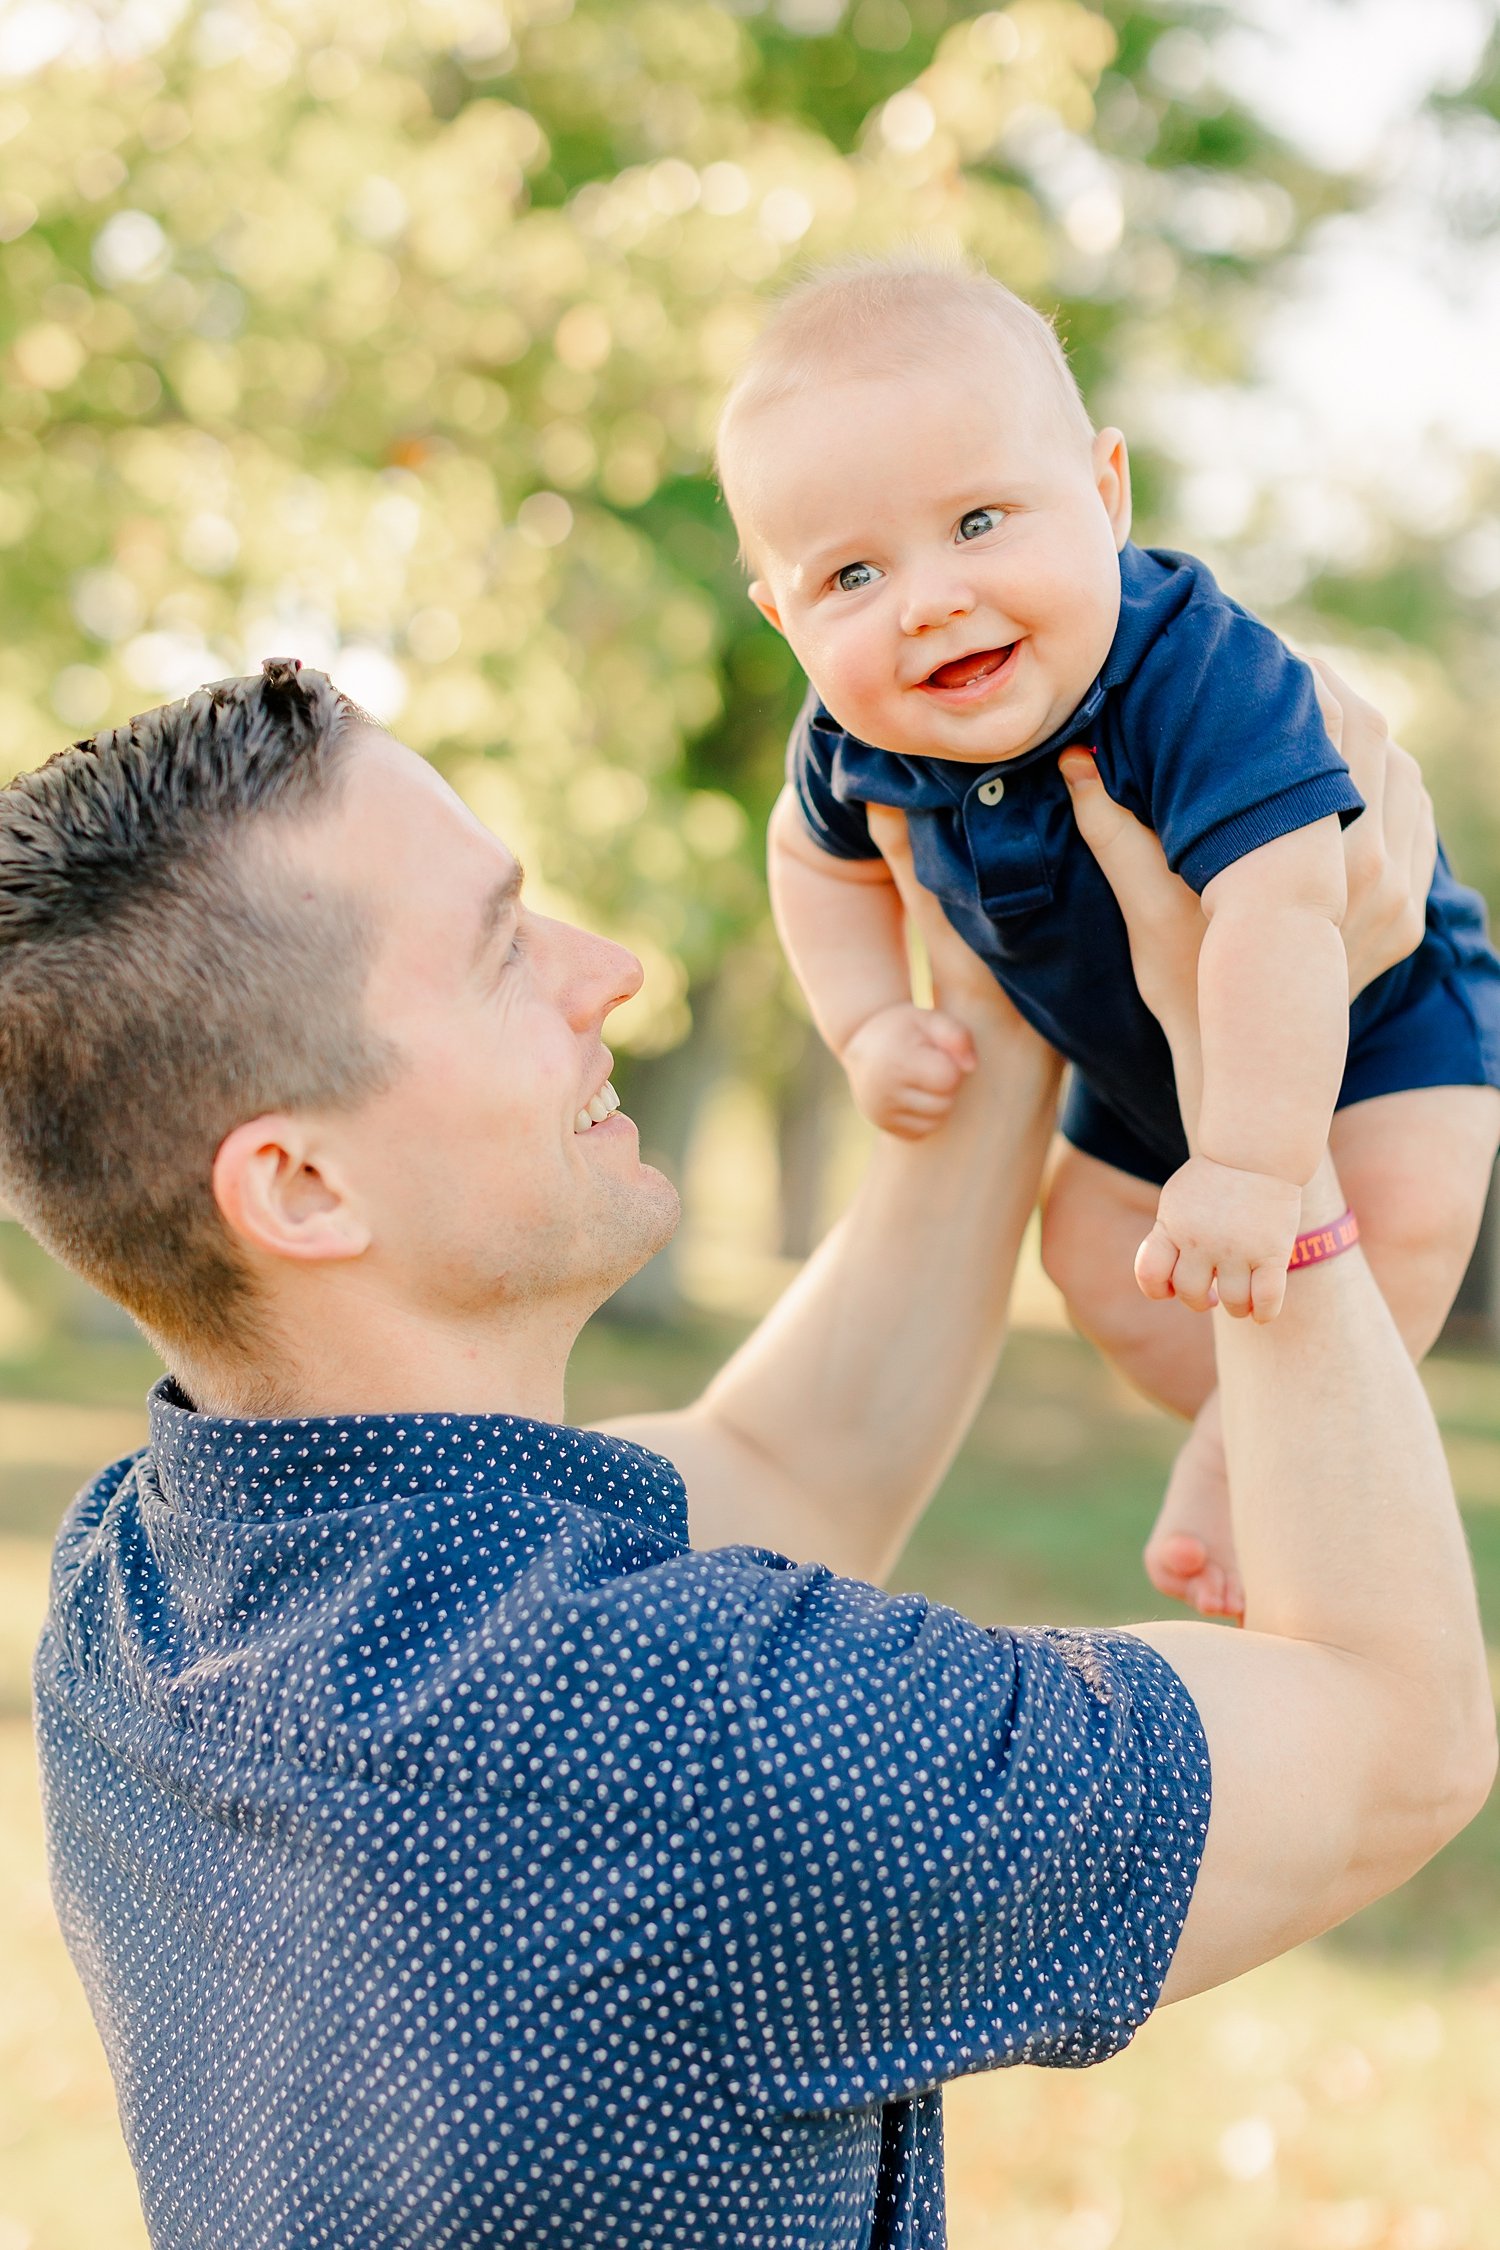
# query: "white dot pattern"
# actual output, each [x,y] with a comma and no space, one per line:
[455,1858]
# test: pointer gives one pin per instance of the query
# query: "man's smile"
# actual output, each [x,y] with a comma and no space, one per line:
[598,1111]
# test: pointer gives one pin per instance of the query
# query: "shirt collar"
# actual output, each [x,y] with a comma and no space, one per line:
[218,1465]
[1142,585]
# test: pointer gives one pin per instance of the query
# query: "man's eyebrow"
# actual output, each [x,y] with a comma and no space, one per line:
[498,902]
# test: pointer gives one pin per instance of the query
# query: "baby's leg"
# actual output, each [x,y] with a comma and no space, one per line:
[1416,1168]
[1094,1218]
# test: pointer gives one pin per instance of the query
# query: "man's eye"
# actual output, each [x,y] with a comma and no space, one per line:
[978,521]
[855,576]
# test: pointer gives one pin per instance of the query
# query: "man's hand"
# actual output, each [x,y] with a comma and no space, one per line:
[1389,855]
[1163,919]
[1222,1236]
[905,1066]
[1391,850]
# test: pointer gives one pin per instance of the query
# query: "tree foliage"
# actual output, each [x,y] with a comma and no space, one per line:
[391,335]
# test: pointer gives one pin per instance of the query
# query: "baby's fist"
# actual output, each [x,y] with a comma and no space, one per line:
[905,1066]
[1221,1233]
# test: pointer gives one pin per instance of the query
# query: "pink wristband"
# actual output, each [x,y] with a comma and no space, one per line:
[1319,1243]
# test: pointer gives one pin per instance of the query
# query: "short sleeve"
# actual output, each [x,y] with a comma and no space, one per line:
[1223,722]
[812,753]
[931,1849]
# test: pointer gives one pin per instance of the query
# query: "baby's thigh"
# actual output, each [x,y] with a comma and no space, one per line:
[1416,1168]
[1094,1219]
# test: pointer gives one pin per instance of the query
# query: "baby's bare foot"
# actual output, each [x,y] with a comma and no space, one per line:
[1190,1555]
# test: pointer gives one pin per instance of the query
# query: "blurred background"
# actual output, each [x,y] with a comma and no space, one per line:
[391,335]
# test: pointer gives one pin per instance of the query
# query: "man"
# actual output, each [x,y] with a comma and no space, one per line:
[455,1850]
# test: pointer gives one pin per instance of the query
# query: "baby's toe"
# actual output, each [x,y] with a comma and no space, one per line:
[1173,1562]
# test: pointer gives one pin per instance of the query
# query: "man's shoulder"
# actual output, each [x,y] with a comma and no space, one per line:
[90,1508]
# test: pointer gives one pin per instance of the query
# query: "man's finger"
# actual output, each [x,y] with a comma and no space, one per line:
[888,832]
[1328,703]
[1130,854]
[891,838]
[1408,811]
[1113,836]
[1361,722]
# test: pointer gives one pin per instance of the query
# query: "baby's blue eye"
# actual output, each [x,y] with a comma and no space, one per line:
[977,522]
[854,577]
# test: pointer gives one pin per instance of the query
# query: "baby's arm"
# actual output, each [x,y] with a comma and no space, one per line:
[841,923]
[1273,1006]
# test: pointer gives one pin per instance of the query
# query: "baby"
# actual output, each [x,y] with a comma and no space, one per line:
[943,538]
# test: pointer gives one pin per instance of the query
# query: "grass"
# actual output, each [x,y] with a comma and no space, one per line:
[1345,2098]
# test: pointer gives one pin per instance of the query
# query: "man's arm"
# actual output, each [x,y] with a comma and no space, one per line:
[831,1427]
[1350,1727]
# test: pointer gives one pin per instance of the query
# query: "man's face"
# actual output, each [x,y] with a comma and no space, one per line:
[941,550]
[485,1178]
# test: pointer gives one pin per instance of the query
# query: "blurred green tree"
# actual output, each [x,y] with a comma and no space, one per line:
[391,335]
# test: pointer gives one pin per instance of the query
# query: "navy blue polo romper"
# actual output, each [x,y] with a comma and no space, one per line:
[1207,728]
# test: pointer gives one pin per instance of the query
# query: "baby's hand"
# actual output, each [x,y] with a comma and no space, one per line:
[1220,1230]
[905,1065]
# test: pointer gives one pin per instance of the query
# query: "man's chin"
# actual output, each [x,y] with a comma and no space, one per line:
[640,1220]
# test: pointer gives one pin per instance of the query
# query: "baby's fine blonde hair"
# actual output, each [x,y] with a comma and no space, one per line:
[885,316]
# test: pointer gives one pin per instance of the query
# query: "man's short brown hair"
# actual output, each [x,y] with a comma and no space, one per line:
[160,983]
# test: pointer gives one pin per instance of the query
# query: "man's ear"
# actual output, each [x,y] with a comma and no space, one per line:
[281,1190]
[1112,477]
[760,594]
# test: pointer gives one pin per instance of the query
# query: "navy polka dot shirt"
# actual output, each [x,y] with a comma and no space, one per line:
[454,1857]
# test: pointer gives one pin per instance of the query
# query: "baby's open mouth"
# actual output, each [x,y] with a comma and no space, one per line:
[968,671]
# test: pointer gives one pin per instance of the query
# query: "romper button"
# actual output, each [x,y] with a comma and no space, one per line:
[991,792]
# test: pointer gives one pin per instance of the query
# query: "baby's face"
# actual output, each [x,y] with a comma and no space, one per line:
[941,551]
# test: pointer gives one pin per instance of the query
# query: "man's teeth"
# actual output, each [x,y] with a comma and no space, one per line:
[604,1104]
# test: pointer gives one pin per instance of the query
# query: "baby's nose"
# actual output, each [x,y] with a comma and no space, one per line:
[935,599]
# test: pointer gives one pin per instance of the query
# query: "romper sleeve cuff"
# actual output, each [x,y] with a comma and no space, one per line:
[1298,807]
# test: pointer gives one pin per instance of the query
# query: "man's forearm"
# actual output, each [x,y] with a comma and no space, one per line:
[832,1425]
[1349,1725]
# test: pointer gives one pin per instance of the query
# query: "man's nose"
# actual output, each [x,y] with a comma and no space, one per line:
[593,973]
[935,594]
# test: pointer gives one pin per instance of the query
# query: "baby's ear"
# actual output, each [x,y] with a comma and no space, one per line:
[1112,476]
[760,594]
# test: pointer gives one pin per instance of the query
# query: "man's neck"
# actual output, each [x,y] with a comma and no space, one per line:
[377,1361]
